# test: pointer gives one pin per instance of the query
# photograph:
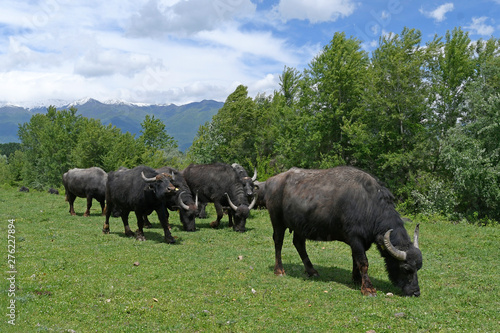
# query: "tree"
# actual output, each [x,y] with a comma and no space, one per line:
[160,147]
[233,129]
[395,109]
[47,141]
[335,80]
[154,135]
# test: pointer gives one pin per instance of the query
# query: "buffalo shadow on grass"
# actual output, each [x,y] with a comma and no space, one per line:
[154,236]
[339,275]
[91,214]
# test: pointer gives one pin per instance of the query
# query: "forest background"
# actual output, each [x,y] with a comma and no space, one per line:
[424,119]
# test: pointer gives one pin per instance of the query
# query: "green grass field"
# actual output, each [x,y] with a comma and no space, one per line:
[73,278]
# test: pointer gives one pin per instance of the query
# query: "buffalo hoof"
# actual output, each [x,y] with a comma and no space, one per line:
[140,237]
[170,240]
[313,273]
[214,224]
[129,233]
[279,272]
[86,214]
[105,229]
[372,292]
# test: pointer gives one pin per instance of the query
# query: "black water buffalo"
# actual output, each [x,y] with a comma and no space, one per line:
[141,190]
[219,183]
[348,205]
[53,191]
[182,201]
[85,183]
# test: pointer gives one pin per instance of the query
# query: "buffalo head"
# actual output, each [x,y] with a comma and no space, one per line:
[159,186]
[402,265]
[241,213]
[188,212]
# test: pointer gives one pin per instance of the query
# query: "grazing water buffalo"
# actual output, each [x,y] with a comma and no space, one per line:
[141,190]
[219,183]
[53,191]
[182,201]
[348,205]
[85,183]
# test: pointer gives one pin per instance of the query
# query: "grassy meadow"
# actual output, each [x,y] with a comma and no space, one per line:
[73,278]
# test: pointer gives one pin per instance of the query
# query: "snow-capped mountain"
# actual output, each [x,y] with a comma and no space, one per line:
[182,122]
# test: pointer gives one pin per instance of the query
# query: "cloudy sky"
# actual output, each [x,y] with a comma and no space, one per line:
[180,51]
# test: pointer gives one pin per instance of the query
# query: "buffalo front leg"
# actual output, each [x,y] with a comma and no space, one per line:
[359,257]
[139,234]
[89,205]
[162,216]
[128,231]
[300,244]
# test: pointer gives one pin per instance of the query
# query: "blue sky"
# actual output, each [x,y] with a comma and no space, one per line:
[180,51]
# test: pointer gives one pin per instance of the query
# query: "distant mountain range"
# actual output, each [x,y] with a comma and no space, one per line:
[182,122]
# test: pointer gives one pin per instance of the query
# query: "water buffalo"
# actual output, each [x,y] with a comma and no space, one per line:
[219,183]
[53,191]
[85,183]
[348,205]
[141,190]
[182,201]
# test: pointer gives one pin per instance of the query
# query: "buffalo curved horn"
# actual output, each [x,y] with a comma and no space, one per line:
[148,180]
[253,202]
[196,201]
[254,177]
[398,254]
[181,203]
[231,204]
[415,236]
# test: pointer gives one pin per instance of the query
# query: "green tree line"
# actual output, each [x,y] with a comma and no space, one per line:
[54,142]
[422,118]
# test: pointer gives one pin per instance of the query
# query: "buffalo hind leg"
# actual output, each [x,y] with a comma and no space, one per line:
[361,262]
[103,207]
[278,236]
[89,205]
[70,197]
[105,228]
[300,244]
[220,213]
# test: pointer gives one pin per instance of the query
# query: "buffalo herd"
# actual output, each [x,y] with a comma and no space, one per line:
[344,204]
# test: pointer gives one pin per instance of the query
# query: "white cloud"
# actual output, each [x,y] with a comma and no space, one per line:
[439,14]
[156,18]
[315,10]
[479,26]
